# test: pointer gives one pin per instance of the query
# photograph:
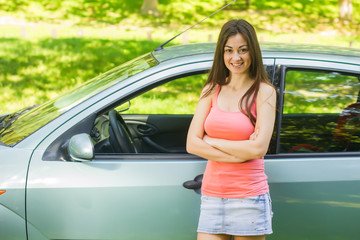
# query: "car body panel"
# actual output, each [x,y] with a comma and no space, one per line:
[306,63]
[12,226]
[13,167]
[120,197]
[315,210]
[313,169]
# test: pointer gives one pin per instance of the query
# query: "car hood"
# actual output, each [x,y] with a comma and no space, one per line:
[3,146]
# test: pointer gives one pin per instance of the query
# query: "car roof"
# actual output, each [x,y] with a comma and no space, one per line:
[275,50]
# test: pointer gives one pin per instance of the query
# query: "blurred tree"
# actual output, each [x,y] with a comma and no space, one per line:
[345,10]
[13,5]
[150,7]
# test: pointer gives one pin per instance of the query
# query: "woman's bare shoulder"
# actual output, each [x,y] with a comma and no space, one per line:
[266,89]
[267,94]
[208,91]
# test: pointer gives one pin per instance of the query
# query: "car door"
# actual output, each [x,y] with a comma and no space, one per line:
[314,173]
[117,195]
[114,196]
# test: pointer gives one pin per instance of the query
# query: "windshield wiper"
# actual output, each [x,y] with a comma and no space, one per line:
[4,121]
[2,117]
[7,119]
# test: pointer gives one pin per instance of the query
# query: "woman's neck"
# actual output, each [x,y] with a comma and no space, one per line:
[238,82]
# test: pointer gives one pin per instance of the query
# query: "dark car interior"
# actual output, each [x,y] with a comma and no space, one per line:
[141,133]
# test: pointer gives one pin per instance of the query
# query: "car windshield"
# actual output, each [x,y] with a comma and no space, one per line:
[31,121]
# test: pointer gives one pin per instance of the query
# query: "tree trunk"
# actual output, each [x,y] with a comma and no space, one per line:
[345,10]
[150,7]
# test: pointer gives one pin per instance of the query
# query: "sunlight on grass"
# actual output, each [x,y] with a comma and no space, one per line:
[53,47]
[51,66]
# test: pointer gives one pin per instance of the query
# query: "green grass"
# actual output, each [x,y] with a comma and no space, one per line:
[52,46]
[33,71]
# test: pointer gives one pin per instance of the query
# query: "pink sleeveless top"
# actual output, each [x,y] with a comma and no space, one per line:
[232,180]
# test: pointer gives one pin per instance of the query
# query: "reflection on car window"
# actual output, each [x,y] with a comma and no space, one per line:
[320,112]
[38,117]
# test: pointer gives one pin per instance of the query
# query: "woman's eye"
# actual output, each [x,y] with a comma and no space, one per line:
[243,50]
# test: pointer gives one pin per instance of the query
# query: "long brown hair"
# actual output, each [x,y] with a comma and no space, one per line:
[219,73]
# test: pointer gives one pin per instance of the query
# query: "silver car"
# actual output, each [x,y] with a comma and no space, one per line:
[107,160]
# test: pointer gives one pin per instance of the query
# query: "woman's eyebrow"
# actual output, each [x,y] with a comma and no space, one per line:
[244,45]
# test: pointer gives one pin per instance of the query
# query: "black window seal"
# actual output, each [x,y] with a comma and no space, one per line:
[147,157]
[312,155]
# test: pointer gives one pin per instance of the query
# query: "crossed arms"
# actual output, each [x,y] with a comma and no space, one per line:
[223,150]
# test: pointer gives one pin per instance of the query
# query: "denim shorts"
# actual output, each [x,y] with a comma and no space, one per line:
[249,216]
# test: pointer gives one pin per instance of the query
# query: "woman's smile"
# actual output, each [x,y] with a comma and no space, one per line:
[237,65]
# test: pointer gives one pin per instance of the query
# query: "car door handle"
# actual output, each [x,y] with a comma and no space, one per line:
[146,129]
[194,184]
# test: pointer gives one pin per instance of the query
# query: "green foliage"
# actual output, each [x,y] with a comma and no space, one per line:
[310,13]
[14,5]
[71,41]
[82,11]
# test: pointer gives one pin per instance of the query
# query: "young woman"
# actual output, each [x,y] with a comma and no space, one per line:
[232,128]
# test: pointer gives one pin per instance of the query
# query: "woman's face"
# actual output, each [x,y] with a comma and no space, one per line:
[236,55]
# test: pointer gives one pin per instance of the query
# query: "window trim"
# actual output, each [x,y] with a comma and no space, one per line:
[312,155]
[147,157]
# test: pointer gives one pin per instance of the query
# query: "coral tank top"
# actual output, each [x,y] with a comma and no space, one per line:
[232,180]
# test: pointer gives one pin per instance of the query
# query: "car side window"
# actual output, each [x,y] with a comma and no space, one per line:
[320,112]
[179,96]
[157,120]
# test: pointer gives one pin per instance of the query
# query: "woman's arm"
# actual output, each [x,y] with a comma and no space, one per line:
[258,144]
[195,143]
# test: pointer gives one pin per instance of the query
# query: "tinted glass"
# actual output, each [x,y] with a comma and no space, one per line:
[321,112]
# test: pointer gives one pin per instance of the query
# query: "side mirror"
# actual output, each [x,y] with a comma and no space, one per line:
[124,107]
[80,148]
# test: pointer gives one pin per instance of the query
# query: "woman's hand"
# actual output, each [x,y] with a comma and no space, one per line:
[207,139]
[254,135]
